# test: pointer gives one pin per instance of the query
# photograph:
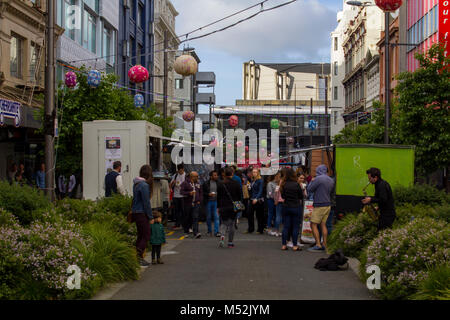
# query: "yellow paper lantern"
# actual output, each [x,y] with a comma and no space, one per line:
[186,65]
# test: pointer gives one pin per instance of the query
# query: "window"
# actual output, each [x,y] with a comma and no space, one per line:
[34,56]
[89,32]
[335,43]
[93,4]
[15,60]
[132,13]
[335,93]
[140,17]
[67,24]
[335,117]
[132,51]
[335,68]
[179,84]
[109,46]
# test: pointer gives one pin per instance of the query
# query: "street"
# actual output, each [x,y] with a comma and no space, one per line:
[256,269]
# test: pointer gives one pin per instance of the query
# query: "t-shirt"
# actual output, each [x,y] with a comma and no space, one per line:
[213,187]
[179,179]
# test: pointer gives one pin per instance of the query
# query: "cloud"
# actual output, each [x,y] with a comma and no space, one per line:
[297,32]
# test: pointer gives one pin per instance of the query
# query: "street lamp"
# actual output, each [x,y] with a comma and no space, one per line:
[387,6]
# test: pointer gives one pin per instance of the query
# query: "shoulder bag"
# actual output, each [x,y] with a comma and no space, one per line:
[237,205]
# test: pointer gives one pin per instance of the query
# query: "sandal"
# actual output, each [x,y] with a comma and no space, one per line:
[296,249]
[284,248]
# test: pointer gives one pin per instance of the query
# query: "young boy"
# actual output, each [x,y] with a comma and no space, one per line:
[158,237]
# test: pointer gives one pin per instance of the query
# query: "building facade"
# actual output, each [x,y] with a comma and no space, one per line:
[338,67]
[22,78]
[371,82]
[164,26]
[361,35]
[90,35]
[135,44]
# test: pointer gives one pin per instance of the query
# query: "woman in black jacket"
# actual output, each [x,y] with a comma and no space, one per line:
[292,194]
[228,191]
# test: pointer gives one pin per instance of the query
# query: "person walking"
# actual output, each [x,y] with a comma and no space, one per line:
[142,210]
[178,202]
[157,238]
[256,203]
[292,194]
[383,196]
[228,192]
[271,213]
[40,177]
[192,192]
[210,199]
[322,186]
[113,181]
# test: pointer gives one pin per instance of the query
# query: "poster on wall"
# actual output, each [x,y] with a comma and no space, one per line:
[113,149]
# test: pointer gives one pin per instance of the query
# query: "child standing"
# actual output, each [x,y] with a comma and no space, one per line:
[158,237]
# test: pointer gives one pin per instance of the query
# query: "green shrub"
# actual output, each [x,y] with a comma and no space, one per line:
[352,234]
[108,255]
[404,254]
[7,219]
[420,194]
[436,285]
[22,201]
[118,223]
[117,204]
[81,211]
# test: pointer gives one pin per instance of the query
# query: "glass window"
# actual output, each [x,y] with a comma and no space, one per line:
[335,43]
[93,4]
[140,17]
[335,117]
[179,84]
[89,32]
[335,68]
[15,60]
[69,30]
[132,13]
[335,93]
[109,47]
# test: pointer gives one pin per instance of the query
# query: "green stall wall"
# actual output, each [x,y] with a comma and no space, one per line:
[395,162]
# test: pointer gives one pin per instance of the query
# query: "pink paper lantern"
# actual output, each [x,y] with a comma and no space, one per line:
[389,5]
[71,79]
[233,121]
[188,116]
[138,74]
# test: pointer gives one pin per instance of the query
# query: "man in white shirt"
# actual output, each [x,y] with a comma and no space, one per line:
[175,185]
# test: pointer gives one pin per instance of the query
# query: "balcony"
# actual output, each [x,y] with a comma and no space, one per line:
[205,78]
[205,98]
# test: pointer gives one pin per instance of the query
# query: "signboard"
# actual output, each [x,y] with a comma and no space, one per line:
[307,234]
[112,148]
[444,24]
[10,109]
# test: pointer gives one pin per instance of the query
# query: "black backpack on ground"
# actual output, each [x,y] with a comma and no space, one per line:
[333,262]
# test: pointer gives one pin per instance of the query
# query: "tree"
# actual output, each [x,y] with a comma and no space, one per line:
[421,116]
[107,102]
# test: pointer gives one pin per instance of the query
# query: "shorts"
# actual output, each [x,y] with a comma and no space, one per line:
[320,214]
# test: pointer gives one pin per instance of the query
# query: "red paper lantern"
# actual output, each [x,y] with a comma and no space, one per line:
[389,5]
[233,121]
[138,74]
[188,116]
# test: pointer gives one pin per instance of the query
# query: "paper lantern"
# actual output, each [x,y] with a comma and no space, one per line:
[138,74]
[71,79]
[138,100]
[233,121]
[290,140]
[264,143]
[389,5]
[188,116]
[94,78]
[274,124]
[186,65]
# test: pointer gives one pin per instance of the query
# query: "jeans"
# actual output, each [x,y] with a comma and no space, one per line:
[291,217]
[178,207]
[228,228]
[259,209]
[156,251]
[270,212]
[211,211]
[191,219]
[279,215]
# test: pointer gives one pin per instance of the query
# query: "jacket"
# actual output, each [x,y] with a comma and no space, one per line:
[158,236]
[256,191]
[111,183]
[384,198]
[141,197]
[206,189]
[292,194]
[322,187]
[224,203]
[185,190]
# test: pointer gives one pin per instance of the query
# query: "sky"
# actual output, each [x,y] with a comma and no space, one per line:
[298,32]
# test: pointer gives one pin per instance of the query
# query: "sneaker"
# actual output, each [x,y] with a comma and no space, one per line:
[159,261]
[290,244]
[222,242]
[190,230]
[279,234]
[230,245]
[143,262]
[316,249]
[272,233]
[218,234]
[198,235]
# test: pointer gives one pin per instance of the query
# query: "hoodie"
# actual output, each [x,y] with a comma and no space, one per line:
[322,186]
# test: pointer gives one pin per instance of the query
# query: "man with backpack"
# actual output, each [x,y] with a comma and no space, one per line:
[175,185]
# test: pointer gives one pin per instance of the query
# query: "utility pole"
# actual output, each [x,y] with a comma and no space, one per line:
[326,112]
[49,118]
[310,131]
[166,45]
[387,85]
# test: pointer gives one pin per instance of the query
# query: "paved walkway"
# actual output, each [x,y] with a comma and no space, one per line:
[256,269]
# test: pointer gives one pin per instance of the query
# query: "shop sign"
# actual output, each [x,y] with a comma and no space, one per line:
[444,24]
[10,109]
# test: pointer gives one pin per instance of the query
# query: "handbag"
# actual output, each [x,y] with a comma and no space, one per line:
[237,205]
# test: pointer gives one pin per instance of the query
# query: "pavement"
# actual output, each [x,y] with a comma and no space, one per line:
[255,269]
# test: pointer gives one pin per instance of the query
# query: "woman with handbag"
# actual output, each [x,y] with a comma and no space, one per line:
[142,210]
[256,203]
[229,203]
